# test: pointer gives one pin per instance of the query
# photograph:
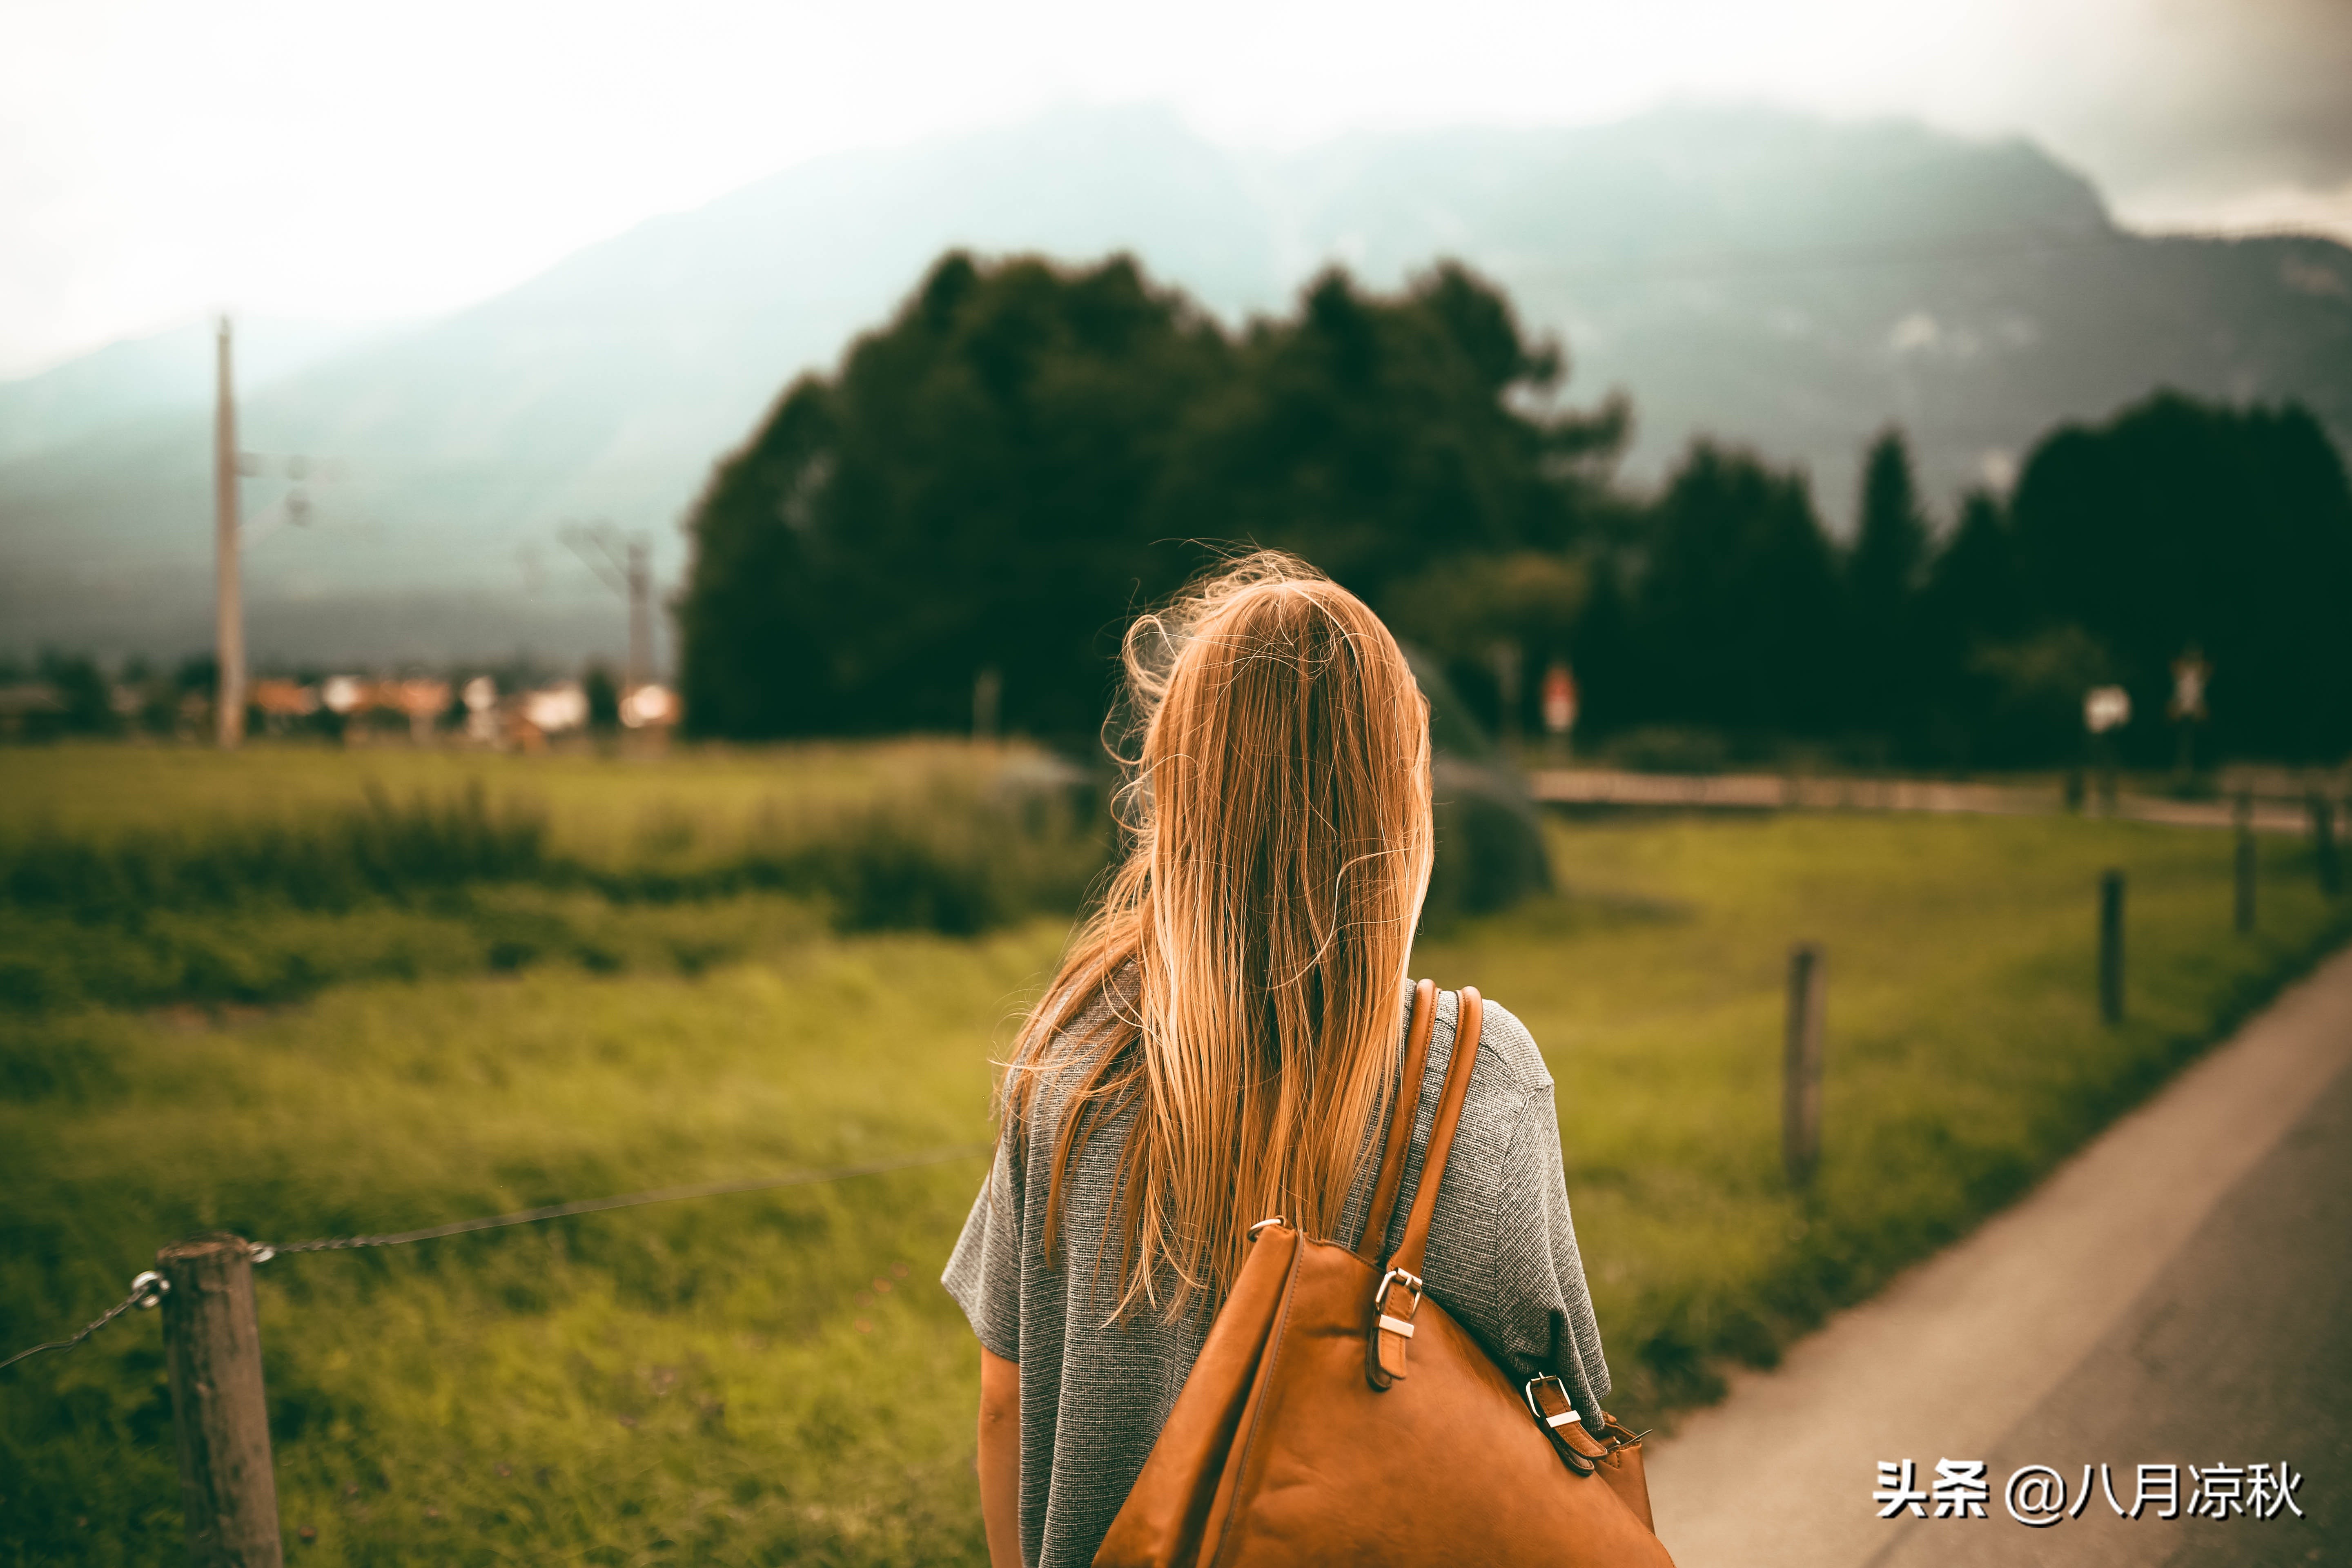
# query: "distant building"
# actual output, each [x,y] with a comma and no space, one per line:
[284,703]
[553,709]
[651,707]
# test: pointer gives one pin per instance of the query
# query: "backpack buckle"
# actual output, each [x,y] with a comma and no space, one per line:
[1412,1283]
[1384,1350]
[1535,1408]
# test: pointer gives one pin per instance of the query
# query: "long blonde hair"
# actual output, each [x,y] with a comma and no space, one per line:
[1242,978]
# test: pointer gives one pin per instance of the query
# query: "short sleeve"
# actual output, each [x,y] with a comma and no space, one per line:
[984,1274]
[1549,1325]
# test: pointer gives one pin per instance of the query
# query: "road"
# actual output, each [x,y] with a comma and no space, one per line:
[2180,1292]
[1791,792]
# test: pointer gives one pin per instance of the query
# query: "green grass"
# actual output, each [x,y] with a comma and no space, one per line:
[722,1374]
[603,807]
[1964,1052]
[265,883]
[724,1379]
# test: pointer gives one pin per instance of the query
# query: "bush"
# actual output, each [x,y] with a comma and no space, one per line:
[1490,843]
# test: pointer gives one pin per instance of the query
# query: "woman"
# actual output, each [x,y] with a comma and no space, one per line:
[1220,1046]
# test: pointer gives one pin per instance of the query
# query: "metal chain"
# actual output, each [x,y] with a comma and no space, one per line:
[264,1252]
[147,1290]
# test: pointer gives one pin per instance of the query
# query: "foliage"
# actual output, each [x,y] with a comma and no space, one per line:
[2169,529]
[1738,617]
[604,695]
[2179,524]
[971,489]
[1884,576]
[1026,455]
[1382,437]
[84,689]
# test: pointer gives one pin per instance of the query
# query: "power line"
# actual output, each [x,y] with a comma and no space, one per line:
[264,1251]
[623,562]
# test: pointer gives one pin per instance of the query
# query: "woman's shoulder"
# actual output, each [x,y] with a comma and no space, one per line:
[1491,1152]
[1508,1059]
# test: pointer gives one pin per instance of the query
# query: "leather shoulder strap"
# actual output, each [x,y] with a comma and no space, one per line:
[1441,1133]
[1400,1118]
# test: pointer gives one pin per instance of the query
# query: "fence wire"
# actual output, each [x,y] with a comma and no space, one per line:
[264,1251]
[150,1289]
[145,1291]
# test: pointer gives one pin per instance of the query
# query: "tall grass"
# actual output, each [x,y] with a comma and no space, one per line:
[328,858]
[266,904]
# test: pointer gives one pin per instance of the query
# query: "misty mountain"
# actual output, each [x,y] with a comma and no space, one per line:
[1767,277]
[169,371]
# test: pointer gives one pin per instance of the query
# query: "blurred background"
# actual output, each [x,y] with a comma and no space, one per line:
[559,569]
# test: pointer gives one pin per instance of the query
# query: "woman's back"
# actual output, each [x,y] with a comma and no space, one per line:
[1094,1391]
[1220,1040]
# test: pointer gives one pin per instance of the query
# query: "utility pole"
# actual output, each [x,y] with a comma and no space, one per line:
[228,595]
[640,616]
[623,562]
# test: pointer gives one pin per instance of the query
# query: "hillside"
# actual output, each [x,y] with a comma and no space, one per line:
[1781,280]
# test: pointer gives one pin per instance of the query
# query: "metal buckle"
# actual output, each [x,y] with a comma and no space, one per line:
[1261,1224]
[1528,1394]
[1413,1283]
[1611,1436]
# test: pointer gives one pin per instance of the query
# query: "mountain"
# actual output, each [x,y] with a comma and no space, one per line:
[168,372]
[1768,278]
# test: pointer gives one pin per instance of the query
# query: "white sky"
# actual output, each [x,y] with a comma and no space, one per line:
[160,158]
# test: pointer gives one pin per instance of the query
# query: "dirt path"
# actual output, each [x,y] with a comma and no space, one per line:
[1789,792]
[2180,1292]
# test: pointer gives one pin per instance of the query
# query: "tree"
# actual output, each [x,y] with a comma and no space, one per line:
[1613,692]
[972,489]
[604,695]
[1738,613]
[1883,652]
[1374,436]
[1972,603]
[2180,522]
[1024,454]
[83,690]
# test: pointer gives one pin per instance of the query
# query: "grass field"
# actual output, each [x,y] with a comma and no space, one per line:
[770,1378]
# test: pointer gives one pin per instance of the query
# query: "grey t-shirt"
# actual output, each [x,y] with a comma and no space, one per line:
[1502,1260]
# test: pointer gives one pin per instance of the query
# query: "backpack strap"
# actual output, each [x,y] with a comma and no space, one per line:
[1401,1117]
[1398,1294]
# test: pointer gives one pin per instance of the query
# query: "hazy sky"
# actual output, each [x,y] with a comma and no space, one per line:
[158,158]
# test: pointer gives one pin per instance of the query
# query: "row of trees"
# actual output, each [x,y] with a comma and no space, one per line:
[2174,531]
[999,476]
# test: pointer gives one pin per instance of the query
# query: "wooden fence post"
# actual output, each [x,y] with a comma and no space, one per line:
[2322,845]
[213,1347]
[2111,947]
[2247,864]
[1801,1086]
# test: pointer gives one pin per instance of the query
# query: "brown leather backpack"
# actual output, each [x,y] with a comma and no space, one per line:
[1337,1415]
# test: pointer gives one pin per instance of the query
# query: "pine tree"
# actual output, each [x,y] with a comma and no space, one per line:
[1882,581]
